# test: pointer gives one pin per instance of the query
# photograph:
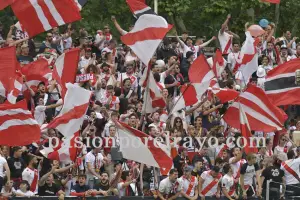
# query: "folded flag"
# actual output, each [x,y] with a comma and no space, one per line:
[261,113]
[71,117]
[17,125]
[151,152]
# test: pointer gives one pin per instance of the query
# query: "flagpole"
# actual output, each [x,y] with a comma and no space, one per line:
[144,112]
[156,6]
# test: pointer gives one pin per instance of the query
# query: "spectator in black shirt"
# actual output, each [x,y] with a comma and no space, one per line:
[47,187]
[24,58]
[198,168]
[181,160]
[16,165]
[275,174]
[103,185]
[81,189]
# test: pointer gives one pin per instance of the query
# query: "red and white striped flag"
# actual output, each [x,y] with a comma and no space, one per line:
[151,152]
[217,63]
[65,69]
[38,16]
[247,63]
[280,84]
[246,131]
[36,72]
[200,75]
[5,3]
[147,34]
[224,94]
[67,152]
[154,98]
[139,7]
[261,113]
[10,81]
[71,117]
[17,125]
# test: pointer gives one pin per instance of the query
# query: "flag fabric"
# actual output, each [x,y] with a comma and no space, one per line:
[65,69]
[247,63]
[217,63]
[246,132]
[154,97]
[67,152]
[280,84]
[200,71]
[200,75]
[271,1]
[5,3]
[10,81]
[17,125]
[147,34]
[45,14]
[151,152]
[224,94]
[261,113]
[71,117]
[36,72]
[139,8]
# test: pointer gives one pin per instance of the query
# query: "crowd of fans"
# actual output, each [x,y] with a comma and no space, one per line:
[116,70]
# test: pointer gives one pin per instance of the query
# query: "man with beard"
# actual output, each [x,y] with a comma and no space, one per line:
[105,72]
[100,90]
[31,174]
[128,74]
[169,187]
[105,186]
[181,160]
[47,187]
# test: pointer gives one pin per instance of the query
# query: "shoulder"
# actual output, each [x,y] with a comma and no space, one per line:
[244,168]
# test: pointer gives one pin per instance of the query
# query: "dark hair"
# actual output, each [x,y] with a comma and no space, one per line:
[219,160]
[126,79]
[26,183]
[82,176]
[104,172]
[133,114]
[216,169]
[291,154]
[124,175]
[109,87]
[226,168]
[156,76]
[114,113]
[172,171]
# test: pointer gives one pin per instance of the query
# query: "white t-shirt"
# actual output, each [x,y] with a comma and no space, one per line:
[90,158]
[83,62]
[39,114]
[185,184]
[294,165]
[28,175]
[236,166]
[232,58]
[227,182]
[2,163]
[133,79]
[207,180]
[224,39]
[166,186]
[26,194]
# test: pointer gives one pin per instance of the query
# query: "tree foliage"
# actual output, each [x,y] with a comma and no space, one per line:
[199,17]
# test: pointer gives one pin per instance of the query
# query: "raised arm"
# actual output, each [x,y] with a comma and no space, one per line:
[118,27]
[225,24]
[207,43]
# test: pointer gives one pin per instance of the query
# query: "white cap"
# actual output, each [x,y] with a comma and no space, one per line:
[261,72]
[237,87]
[160,63]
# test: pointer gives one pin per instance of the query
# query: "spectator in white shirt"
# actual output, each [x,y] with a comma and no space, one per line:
[39,111]
[24,190]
